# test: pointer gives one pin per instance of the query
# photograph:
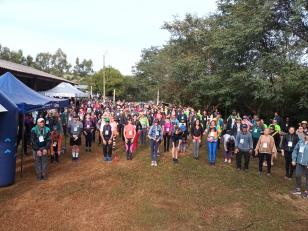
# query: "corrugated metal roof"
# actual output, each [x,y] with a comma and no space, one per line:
[10,66]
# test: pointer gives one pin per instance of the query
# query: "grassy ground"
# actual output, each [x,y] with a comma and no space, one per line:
[132,195]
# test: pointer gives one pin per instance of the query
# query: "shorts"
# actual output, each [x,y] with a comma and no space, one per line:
[75,142]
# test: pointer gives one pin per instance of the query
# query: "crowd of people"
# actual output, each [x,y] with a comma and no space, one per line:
[167,129]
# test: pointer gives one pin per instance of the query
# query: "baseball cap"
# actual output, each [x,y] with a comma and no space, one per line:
[244,126]
[107,120]
[40,120]
[304,122]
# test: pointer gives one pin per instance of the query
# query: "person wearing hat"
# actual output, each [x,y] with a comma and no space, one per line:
[300,160]
[40,137]
[155,135]
[243,147]
[304,125]
[265,148]
[106,134]
[237,126]
[75,130]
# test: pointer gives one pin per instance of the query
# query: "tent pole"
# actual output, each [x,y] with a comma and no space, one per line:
[23,144]
[66,129]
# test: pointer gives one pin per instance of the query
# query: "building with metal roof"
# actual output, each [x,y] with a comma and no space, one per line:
[33,78]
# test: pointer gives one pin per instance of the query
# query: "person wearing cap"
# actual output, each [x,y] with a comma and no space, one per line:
[287,146]
[106,134]
[212,140]
[40,139]
[75,130]
[265,148]
[300,160]
[155,135]
[129,136]
[243,147]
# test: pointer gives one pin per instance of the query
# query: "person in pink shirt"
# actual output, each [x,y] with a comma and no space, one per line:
[129,135]
[114,128]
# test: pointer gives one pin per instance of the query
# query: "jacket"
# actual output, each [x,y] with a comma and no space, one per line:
[289,141]
[44,141]
[244,141]
[155,132]
[300,153]
[263,146]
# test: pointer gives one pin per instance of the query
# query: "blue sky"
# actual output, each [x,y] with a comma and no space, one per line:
[88,28]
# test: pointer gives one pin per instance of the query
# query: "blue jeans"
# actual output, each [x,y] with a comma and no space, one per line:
[212,151]
[154,147]
[143,136]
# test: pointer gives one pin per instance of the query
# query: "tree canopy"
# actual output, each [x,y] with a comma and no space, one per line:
[250,55]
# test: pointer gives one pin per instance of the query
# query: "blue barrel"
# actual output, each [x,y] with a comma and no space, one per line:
[8,135]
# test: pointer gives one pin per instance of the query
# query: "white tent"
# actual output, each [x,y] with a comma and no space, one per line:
[2,109]
[64,90]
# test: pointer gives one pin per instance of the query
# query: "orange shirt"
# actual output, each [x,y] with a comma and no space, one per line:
[130,131]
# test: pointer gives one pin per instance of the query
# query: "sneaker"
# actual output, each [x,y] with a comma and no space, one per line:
[268,174]
[152,163]
[305,195]
[226,160]
[155,163]
[229,161]
[296,192]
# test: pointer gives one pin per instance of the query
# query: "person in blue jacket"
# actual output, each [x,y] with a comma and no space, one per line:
[300,160]
[155,135]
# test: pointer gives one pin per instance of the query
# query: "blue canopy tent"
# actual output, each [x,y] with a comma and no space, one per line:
[26,99]
[8,124]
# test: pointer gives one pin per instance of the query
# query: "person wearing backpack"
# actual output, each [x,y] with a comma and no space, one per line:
[40,137]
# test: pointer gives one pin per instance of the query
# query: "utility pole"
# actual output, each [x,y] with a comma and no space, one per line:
[158,97]
[104,79]
[113,96]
